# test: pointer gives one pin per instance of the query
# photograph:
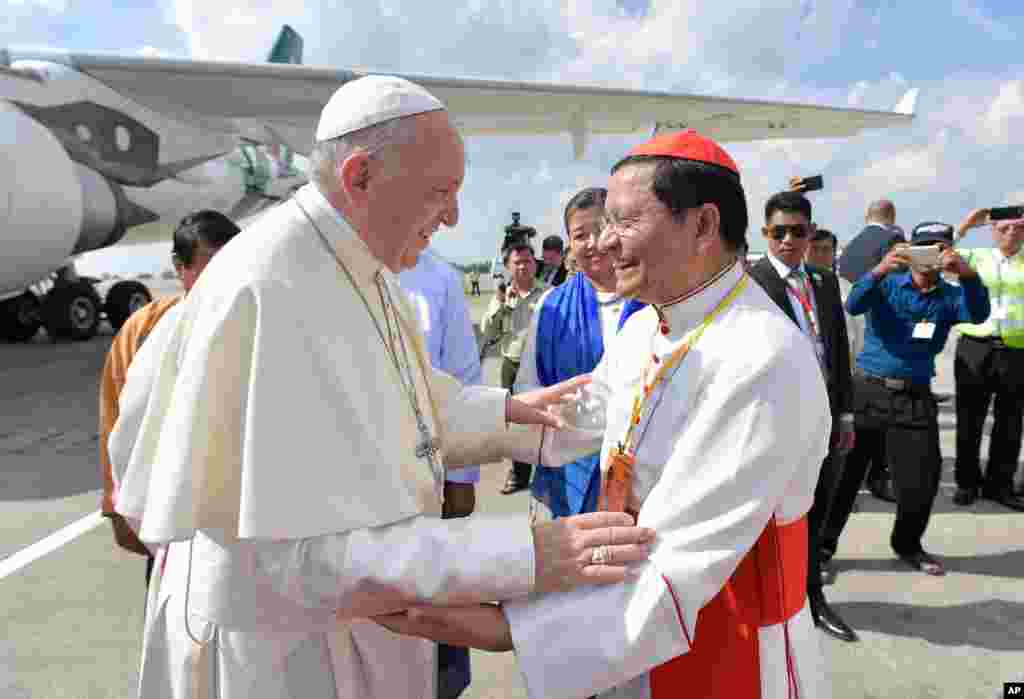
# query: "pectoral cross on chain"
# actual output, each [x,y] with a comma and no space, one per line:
[428,448]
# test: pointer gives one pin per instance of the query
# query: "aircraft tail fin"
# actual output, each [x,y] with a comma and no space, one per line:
[287,48]
[908,103]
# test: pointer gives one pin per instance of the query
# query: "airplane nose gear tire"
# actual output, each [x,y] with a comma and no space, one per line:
[73,311]
[20,317]
[123,299]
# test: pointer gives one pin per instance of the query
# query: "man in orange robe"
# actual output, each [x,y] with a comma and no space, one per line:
[197,238]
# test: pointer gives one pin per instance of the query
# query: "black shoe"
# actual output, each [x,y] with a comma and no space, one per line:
[925,562]
[827,574]
[513,484]
[883,490]
[1006,498]
[828,620]
[965,496]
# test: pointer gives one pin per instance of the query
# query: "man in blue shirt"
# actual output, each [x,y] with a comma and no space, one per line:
[911,309]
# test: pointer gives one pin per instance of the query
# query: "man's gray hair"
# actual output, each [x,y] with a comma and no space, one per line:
[326,156]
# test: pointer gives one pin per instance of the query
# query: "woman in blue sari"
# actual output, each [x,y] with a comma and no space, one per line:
[566,339]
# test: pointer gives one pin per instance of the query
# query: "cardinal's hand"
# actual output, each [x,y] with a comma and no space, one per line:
[482,626]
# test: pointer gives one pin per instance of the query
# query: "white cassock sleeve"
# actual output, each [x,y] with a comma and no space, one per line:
[751,437]
[423,560]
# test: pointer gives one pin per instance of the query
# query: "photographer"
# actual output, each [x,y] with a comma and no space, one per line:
[990,364]
[505,323]
[911,310]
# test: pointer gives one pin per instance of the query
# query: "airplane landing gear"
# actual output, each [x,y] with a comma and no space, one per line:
[123,299]
[72,310]
[20,317]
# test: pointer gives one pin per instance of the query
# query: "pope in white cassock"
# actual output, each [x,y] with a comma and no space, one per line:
[283,444]
[715,422]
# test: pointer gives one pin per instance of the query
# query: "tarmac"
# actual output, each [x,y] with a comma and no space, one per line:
[71,621]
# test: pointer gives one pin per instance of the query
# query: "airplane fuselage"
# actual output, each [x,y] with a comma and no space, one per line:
[80,164]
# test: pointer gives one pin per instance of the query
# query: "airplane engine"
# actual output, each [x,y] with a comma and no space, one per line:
[52,207]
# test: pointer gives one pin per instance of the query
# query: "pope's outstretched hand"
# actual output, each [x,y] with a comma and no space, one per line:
[532,407]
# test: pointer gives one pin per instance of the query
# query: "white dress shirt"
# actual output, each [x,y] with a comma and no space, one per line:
[784,271]
[436,293]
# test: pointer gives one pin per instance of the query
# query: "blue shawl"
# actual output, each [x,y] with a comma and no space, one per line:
[569,343]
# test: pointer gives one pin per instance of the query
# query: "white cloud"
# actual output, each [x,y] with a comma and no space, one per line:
[1005,116]
[914,168]
[953,154]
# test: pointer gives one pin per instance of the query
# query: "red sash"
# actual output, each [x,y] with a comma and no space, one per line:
[768,587]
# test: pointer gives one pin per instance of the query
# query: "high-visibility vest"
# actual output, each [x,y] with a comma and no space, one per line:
[1005,283]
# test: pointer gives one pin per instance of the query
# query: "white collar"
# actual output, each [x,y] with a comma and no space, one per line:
[782,268]
[686,314]
[339,233]
[1000,257]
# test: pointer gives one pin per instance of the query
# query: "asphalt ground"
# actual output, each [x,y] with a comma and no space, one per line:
[71,621]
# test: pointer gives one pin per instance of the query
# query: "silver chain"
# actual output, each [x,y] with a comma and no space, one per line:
[408,382]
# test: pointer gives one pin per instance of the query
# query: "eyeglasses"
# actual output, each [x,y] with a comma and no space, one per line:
[797,230]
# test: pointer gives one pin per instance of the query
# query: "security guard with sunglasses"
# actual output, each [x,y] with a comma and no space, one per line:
[911,310]
[810,297]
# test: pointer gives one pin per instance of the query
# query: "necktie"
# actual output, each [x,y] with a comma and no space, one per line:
[799,288]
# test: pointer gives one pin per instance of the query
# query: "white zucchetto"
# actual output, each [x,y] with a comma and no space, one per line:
[370,100]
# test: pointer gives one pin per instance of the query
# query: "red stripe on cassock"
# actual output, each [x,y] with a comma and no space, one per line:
[768,587]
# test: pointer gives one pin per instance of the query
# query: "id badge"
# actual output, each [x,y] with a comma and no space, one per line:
[618,481]
[924,331]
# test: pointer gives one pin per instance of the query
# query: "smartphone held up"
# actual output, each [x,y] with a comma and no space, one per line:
[808,184]
[1005,213]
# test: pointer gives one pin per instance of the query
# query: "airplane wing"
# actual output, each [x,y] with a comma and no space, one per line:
[267,102]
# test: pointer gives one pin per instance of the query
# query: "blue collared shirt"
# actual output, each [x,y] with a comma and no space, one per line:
[436,292]
[895,307]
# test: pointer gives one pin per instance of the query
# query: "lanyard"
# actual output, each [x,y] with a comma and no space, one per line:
[617,484]
[803,297]
[660,368]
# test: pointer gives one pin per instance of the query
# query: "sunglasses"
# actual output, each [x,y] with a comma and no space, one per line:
[797,230]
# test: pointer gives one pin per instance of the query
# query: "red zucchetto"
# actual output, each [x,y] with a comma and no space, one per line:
[687,145]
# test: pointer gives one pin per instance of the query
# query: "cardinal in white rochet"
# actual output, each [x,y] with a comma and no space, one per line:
[284,446]
[715,421]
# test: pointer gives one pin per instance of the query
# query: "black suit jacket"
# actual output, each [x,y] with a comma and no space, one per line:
[557,278]
[866,250]
[831,320]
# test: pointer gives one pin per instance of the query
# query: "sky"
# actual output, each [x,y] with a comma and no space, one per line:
[963,150]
